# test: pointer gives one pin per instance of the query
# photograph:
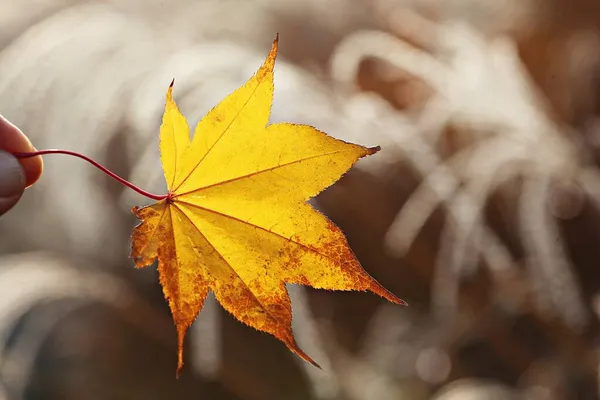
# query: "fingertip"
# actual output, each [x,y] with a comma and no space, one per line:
[12,181]
[33,168]
[13,140]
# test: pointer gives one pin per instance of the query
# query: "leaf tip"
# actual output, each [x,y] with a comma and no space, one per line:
[170,101]
[266,70]
[378,289]
[314,363]
[306,357]
[402,302]
[373,150]
[389,296]
[274,49]
[291,344]
[137,211]
[180,338]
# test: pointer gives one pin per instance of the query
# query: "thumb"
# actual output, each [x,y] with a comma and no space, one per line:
[12,181]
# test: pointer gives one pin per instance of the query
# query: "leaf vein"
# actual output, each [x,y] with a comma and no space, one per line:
[237,178]
[224,260]
[313,250]
[221,135]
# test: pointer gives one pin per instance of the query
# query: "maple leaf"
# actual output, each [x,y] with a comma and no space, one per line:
[236,221]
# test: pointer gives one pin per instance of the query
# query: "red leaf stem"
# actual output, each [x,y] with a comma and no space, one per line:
[102,168]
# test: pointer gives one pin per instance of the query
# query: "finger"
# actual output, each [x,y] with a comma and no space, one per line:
[12,181]
[13,140]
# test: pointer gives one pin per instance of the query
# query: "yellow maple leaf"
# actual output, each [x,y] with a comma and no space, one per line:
[236,220]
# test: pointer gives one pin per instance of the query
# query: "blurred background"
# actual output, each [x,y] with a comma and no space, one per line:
[481,211]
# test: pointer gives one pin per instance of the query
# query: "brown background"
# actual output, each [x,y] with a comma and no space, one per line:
[481,210]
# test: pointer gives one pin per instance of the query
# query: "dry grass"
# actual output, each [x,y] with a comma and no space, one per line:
[473,120]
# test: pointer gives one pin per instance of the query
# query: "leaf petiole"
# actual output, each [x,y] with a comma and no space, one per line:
[102,168]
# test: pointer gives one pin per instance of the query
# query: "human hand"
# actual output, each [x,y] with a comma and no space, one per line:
[15,175]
